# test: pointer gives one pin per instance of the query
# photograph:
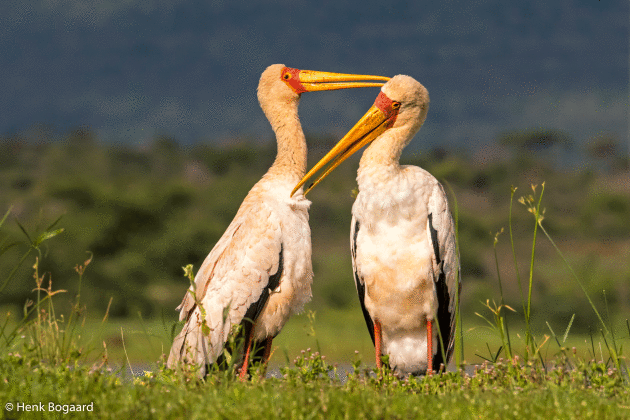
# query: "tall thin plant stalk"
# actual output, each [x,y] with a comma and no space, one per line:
[502,322]
[528,330]
[538,216]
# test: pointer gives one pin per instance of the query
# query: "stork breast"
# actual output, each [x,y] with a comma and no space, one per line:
[398,277]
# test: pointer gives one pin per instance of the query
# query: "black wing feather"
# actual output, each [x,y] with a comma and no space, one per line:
[444,316]
[360,285]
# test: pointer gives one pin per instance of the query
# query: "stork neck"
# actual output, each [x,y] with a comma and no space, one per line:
[385,151]
[291,157]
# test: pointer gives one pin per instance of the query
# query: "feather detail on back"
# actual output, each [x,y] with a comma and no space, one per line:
[238,271]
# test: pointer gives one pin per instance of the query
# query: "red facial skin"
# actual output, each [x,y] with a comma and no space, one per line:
[387,106]
[292,78]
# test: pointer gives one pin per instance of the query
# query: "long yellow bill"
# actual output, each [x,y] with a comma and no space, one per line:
[379,118]
[311,81]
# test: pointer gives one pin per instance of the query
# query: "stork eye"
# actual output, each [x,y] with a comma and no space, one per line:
[395,105]
[286,76]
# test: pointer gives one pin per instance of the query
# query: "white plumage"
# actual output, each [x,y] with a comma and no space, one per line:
[397,269]
[402,235]
[259,273]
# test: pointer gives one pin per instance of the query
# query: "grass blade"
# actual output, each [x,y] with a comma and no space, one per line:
[5,216]
[579,282]
[53,224]
[566,333]
[46,235]
[30,241]
[14,270]
[7,247]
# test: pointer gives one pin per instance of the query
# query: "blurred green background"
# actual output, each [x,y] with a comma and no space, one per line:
[144,212]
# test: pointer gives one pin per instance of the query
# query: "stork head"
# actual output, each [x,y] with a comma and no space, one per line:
[281,86]
[402,105]
[412,100]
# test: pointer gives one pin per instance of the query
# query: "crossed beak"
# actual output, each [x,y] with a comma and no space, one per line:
[311,81]
[379,118]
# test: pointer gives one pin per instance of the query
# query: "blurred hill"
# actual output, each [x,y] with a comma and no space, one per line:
[134,69]
[145,212]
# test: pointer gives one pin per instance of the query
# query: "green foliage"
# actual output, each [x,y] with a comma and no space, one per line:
[499,321]
[535,140]
[42,333]
[506,389]
[47,362]
[145,211]
[31,245]
[605,214]
[309,367]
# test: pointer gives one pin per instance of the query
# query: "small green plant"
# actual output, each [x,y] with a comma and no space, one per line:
[32,245]
[44,315]
[498,321]
[614,350]
[498,324]
[533,208]
[8,337]
[52,338]
[310,366]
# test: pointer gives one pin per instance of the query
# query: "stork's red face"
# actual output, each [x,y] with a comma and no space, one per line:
[388,107]
[380,117]
[301,81]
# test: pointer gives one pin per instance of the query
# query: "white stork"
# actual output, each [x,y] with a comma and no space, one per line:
[402,235]
[259,272]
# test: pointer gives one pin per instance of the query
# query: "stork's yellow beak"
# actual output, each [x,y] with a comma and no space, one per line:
[379,118]
[310,81]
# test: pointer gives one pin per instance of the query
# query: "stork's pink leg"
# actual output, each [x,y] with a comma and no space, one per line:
[429,347]
[377,344]
[243,374]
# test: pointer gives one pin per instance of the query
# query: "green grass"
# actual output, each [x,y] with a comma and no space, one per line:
[338,335]
[522,368]
[504,390]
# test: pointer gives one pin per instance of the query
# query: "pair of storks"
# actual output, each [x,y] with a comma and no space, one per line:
[402,237]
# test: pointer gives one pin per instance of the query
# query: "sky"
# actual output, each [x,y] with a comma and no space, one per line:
[133,69]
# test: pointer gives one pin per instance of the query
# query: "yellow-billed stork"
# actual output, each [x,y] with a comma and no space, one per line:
[259,273]
[402,235]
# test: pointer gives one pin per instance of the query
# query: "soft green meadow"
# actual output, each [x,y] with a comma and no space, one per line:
[542,331]
[55,364]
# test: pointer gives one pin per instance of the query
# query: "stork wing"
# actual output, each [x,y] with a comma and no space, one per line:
[233,283]
[441,229]
[358,281]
